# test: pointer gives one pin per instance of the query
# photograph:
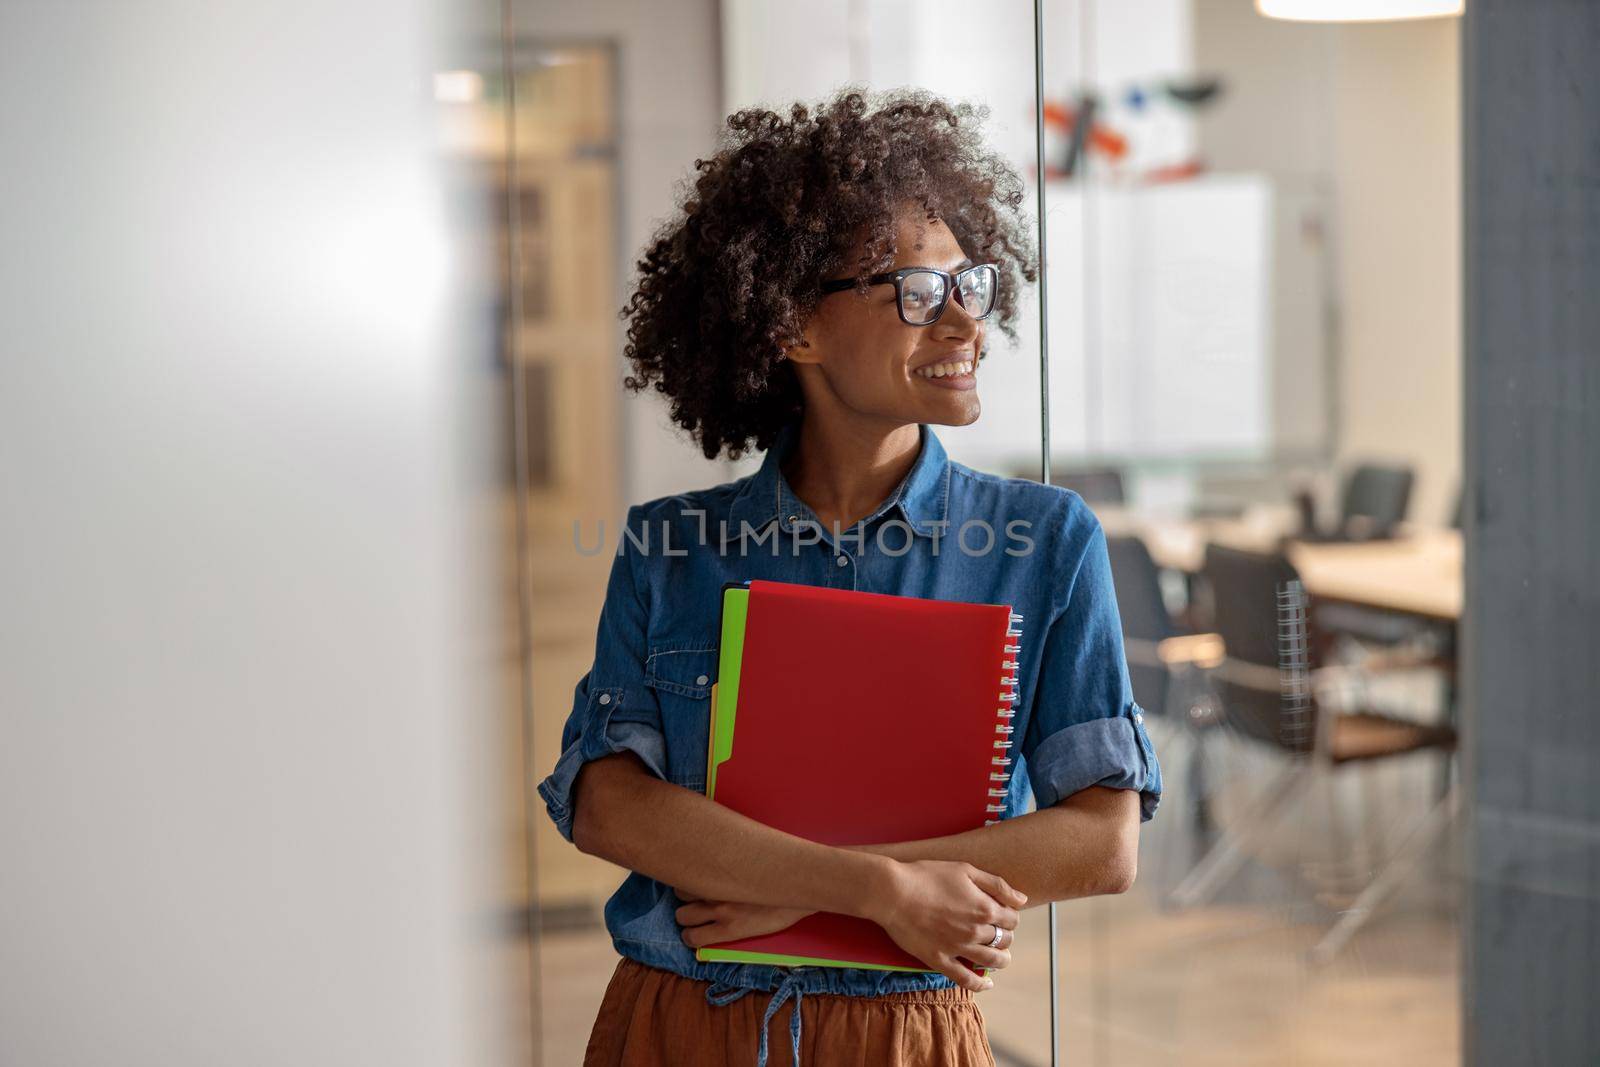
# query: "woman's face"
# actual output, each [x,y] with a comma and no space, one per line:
[861,357]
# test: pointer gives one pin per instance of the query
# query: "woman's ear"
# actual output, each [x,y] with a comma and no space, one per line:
[801,351]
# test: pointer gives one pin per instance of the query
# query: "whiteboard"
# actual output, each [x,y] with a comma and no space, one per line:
[1187,321]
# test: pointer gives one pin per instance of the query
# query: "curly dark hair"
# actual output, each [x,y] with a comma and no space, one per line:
[729,282]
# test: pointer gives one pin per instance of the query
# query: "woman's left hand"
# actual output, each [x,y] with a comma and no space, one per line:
[710,922]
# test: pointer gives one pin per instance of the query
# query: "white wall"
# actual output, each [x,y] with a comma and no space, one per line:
[1398,173]
[241,600]
[1372,113]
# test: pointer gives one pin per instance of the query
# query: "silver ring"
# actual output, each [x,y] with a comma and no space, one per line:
[998,934]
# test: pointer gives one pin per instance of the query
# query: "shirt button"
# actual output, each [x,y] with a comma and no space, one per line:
[843,560]
[702,680]
[605,698]
[794,520]
[1138,717]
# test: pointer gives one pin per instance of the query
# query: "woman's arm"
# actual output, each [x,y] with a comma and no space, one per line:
[1085,845]
[935,908]
[632,818]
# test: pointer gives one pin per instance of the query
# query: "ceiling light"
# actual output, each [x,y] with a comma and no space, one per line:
[1357,10]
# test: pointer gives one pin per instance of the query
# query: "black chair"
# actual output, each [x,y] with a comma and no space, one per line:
[1375,497]
[1376,500]
[1146,624]
[1268,687]
[1166,665]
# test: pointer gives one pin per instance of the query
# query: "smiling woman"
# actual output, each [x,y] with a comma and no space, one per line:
[912,231]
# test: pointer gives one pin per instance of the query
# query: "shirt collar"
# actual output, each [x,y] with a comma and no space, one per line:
[922,497]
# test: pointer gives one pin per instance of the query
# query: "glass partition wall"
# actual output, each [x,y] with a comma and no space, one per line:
[1233,322]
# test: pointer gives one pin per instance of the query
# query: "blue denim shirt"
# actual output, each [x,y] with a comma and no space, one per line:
[947,531]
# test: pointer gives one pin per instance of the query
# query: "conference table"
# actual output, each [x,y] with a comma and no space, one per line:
[1418,572]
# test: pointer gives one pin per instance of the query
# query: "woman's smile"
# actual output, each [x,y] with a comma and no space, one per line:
[955,373]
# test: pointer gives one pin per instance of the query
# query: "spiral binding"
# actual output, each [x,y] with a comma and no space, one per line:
[1000,761]
[1294,663]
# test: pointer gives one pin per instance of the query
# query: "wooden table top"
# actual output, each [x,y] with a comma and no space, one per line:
[1417,573]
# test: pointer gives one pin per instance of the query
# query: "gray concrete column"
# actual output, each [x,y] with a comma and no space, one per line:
[1531,643]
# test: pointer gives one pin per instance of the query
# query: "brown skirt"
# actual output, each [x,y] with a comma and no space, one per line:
[654,1018]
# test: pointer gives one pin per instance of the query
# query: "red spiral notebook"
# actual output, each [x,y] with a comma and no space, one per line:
[853,719]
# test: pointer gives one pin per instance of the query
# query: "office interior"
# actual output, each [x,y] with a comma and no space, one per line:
[358,404]
[1254,282]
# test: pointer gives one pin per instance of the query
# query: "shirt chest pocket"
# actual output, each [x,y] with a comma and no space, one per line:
[680,674]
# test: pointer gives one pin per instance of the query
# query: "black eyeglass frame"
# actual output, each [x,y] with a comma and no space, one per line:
[896,277]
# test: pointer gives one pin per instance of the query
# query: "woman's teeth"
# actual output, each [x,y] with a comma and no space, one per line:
[941,370]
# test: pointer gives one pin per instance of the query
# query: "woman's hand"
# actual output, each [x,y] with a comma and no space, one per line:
[944,913]
[710,922]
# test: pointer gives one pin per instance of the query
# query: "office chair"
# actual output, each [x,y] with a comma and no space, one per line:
[1376,497]
[1163,656]
[1268,685]
[1166,665]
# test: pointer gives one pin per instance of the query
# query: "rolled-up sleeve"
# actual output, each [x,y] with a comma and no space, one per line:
[612,708]
[1085,728]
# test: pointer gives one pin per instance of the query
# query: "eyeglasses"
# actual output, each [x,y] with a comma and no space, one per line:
[923,292]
